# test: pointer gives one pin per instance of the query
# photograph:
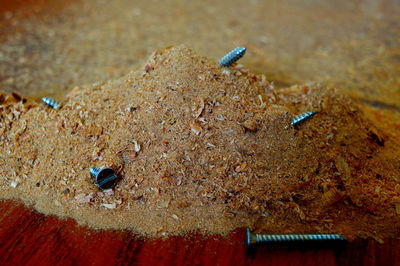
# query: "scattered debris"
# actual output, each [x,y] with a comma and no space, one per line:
[195,127]
[137,146]
[250,125]
[200,109]
[109,205]
[15,183]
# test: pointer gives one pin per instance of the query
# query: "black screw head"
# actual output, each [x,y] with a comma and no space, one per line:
[106,178]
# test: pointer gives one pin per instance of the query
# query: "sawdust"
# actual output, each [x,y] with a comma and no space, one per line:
[200,147]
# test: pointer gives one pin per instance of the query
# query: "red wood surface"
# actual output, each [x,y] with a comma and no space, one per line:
[31,238]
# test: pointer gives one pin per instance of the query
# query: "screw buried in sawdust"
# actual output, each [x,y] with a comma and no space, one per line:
[302,117]
[51,102]
[106,178]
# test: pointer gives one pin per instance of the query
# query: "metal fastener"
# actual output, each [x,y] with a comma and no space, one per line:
[232,56]
[51,102]
[302,117]
[253,239]
[106,178]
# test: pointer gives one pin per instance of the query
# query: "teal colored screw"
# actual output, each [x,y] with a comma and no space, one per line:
[254,239]
[302,117]
[232,56]
[51,102]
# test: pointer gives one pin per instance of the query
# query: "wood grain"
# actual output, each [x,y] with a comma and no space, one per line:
[27,237]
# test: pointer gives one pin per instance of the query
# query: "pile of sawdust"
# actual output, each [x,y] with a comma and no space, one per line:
[200,147]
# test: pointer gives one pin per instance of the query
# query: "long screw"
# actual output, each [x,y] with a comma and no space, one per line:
[232,56]
[252,239]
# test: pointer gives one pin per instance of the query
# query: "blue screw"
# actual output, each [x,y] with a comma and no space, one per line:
[302,117]
[51,102]
[106,178]
[232,56]
[252,239]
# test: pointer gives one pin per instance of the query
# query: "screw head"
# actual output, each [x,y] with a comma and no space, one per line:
[106,178]
[247,238]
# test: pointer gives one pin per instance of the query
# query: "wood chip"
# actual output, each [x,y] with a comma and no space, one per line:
[250,125]
[195,128]
[109,205]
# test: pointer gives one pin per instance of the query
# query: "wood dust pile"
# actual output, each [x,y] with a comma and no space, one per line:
[200,147]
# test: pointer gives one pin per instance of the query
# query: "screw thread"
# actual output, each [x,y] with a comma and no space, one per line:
[302,117]
[296,237]
[232,56]
[94,171]
[51,102]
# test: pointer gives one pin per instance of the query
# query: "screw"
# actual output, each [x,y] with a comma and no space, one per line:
[106,178]
[251,239]
[302,117]
[51,102]
[232,56]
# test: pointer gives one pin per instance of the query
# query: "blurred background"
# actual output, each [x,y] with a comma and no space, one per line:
[49,47]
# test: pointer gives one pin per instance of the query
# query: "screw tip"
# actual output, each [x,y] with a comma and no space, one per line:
[241,49]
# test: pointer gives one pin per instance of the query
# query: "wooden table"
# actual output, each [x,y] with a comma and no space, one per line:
[28,237]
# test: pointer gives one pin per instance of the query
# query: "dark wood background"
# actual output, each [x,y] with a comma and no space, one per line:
[28,237]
